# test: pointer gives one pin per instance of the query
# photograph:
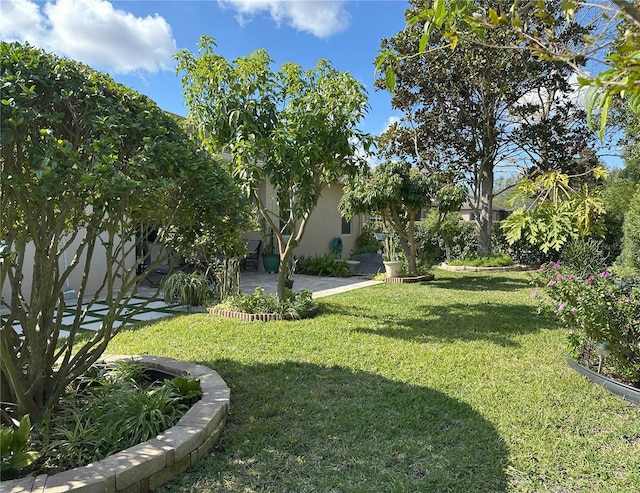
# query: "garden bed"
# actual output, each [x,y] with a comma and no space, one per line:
[409,279]
[261,317]
[148,465]
[627,391]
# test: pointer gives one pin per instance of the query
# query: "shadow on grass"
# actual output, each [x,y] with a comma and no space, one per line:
[471,281]
[297,427]
[492,322]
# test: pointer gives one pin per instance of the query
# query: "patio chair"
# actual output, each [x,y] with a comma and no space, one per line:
[251,259]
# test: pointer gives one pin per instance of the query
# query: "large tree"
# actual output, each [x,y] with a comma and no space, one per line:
[464,108]
[86,165]
[292,128]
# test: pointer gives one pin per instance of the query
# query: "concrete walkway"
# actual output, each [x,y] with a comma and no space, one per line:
[319,286]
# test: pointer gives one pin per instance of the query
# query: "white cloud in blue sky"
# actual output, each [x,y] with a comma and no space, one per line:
[92,31]
[321,18]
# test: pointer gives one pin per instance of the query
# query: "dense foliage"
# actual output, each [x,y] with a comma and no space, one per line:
[598,309]
[88,168]
[322,265]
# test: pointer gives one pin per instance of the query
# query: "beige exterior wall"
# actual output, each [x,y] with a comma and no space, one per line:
[325,223]
[96,274]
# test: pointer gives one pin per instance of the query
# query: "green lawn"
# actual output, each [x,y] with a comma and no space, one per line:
[454,385]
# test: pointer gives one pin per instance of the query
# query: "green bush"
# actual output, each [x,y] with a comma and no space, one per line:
[191,289]
[14,455]
[597,309]
[584,256]
[492,260]
[366,242]
[110,408]
[629,261]
[296,305]
[324,265]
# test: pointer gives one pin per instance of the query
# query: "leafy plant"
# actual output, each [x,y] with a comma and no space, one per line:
[296,305]
[13,444]
[599,308]
[584,256]
[191,289]
[115,407]
[323,265]
[493,260]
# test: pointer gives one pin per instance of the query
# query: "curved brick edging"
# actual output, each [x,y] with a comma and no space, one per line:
[148,465]
[470,268]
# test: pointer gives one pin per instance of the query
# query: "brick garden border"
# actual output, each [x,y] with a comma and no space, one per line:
[148,465]
[261,317]
[409,279]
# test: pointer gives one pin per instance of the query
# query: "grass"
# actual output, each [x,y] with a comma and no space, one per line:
[454,385]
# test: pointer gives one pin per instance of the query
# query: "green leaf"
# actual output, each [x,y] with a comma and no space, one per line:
[390,78]
[439,12]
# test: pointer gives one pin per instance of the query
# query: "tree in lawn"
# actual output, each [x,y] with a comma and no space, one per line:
[398,193]
[293,128]
[462,108]
[85,164]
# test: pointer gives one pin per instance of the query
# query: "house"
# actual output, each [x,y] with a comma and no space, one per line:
[325,223]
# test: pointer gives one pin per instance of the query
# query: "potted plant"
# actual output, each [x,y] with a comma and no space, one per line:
[270,257]
[392,264]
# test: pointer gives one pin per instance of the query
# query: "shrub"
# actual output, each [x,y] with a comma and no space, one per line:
[296,305]
[366,242]
[191,289]
[598,309]
[492,260]
[584,256]
[324,265]
[521,251]
[629,261]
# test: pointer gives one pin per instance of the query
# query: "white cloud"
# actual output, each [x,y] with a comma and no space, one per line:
[321,18]
[390,121]
[93,32]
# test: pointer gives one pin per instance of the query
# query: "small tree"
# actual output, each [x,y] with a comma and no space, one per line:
[398,193]
[293,129]
[629,260]
[86,165]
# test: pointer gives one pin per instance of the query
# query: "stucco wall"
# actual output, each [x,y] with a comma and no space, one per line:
[96,273]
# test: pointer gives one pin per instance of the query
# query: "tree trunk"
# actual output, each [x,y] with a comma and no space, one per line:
[484,220]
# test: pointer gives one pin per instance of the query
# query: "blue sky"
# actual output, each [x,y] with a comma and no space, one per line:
[134,41]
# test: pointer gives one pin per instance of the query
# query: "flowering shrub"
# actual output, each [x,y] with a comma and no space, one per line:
[599,308]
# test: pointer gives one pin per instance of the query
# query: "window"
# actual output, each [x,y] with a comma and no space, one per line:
[346,227]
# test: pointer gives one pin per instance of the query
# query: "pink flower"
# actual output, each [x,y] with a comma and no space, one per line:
[561,307]
[590,278]
[551,283]
[606,273]
[556,265]
[534,294]
[570,276]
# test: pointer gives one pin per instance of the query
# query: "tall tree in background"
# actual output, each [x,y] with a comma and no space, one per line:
[86,162]
[463,108]
[293,128]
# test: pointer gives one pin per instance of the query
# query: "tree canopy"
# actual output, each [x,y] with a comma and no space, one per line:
[87,164]
[292,128]
[476,108]
[398,193]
